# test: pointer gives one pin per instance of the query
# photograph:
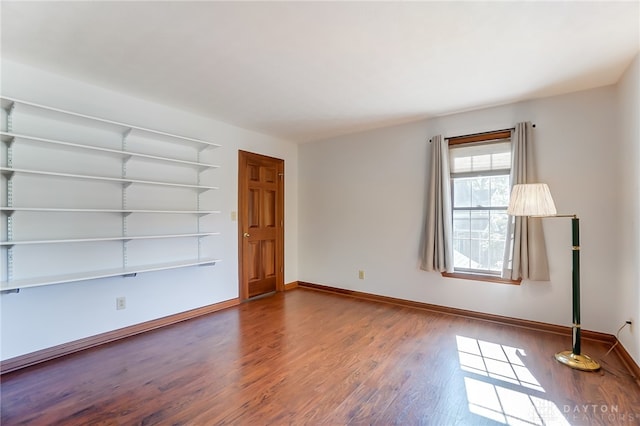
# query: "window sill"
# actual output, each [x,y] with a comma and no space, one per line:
[478,277]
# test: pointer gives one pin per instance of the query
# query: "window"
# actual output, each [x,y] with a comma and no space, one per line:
[480,187]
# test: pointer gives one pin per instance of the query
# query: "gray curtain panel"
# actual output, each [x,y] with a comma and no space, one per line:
[525,252]
[437,254]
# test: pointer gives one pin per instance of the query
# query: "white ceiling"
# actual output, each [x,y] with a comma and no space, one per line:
[306,71]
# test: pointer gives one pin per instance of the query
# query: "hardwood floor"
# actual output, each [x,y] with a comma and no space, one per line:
[309,357]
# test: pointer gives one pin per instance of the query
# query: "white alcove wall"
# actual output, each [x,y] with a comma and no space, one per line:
[41,317]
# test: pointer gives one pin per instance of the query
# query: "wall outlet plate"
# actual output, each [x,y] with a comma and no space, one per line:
[121,303]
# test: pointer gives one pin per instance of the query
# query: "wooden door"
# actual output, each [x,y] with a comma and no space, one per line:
[261,224]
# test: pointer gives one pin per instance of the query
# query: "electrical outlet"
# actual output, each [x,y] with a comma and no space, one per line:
[361,275]
[121,303]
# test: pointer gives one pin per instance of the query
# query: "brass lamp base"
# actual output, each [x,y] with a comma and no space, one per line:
[579,362]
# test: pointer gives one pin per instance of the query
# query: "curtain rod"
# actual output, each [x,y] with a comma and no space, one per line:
[481,133]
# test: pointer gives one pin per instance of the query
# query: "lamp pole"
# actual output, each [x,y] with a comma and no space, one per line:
[575,241]
[574,358]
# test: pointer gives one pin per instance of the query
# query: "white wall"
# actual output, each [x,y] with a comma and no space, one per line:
[629,207]
[42,317]
[362,207]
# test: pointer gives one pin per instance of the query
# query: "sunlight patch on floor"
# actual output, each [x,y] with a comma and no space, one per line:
[520,401]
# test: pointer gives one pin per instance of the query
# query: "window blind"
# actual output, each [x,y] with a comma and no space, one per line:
[480,157]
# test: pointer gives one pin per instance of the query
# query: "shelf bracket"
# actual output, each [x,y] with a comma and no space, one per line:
[8,105]
[13,290]
[8,173]
[10,108]
[198,182]
[9,188]
[9,275]
[132,275]
[125,185]
[8,140]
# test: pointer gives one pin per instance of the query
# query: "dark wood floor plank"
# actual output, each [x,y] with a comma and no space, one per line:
[309,357]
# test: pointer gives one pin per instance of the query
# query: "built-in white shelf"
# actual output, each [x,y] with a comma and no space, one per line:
[7,103]
[10,171]
[121,238]
[24,147]
[10,210]
[10,138]
[106,273]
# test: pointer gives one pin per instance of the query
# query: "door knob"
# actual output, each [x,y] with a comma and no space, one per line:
[246,234]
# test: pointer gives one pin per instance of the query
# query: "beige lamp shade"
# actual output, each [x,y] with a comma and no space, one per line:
[531,199]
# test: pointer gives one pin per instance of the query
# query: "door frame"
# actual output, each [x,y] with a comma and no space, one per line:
[243,158]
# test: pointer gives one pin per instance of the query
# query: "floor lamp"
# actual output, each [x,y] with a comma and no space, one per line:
[535,200]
